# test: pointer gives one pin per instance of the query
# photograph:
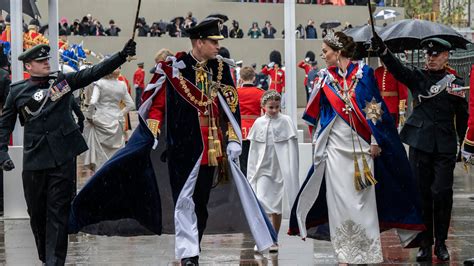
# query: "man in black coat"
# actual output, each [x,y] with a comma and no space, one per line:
[430,133]
[52,141]
[198,131]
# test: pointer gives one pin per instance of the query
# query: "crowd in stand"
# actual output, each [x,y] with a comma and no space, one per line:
[322,2]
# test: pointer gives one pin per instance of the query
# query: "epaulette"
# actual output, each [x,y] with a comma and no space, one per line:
[18,83]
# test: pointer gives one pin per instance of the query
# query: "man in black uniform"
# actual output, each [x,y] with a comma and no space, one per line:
[51,143]
[198,130]
[431,135]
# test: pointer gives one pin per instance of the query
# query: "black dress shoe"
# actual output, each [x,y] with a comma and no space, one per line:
[469,262]
[193,261]
[424,254]
[441,251]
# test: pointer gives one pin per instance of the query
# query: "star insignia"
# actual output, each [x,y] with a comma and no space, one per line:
[430,45]
[373,110]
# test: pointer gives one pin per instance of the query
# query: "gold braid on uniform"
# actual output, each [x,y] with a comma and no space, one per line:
[402,106]
[154,126]
[346,92]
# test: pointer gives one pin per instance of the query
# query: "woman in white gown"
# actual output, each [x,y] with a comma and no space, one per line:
[352,129]
[104,128]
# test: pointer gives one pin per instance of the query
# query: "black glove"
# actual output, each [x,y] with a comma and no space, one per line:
[7,165]
[129,49]
[377,44]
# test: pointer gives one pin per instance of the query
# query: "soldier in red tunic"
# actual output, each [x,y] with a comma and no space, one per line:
[394,93]
[306,65]
[275,73]
[250,109]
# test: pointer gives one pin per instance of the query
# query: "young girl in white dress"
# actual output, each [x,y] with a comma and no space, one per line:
[273,159]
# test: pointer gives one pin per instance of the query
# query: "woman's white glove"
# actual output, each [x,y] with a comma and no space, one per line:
[234,150]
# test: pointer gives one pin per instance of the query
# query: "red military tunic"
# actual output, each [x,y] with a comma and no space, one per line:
[277,77]
[157,113]
[392,91]
[469,139]
[250,108]
[307,67]
[139,78]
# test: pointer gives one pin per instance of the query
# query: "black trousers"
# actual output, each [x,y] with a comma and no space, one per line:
[244,156]
[138,96]
[48,195]
[202,190]
[434,174]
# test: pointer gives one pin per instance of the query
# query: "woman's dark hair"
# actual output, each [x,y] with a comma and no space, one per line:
[348,45]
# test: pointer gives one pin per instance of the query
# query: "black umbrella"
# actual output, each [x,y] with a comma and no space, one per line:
[361,33]
[29,7]
[222,17]
[361,36]
[176,18]
[330,24]
[408,33]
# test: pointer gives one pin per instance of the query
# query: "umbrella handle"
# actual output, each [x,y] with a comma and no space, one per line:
[371,16]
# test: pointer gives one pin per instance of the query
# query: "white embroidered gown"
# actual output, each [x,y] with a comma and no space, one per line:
[104,133]
[353,219]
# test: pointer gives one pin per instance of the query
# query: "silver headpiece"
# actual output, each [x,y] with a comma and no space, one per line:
[333,39]
[270,94]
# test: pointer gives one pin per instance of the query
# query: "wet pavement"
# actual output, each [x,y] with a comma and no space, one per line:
[17,245]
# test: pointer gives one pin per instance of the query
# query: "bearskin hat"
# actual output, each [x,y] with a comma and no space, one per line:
[275,57]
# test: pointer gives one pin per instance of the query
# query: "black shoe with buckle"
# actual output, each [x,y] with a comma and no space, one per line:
[424,254]
[441,251]
[193,261]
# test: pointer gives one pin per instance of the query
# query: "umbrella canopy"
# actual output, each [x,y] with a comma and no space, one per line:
[29,7]
[408,33]
[222,17]
[361,33]
[330,24]
[362,36]
[386,14]
[176,18]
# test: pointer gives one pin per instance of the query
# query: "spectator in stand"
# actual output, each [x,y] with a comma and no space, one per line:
[76,28]
[96,29]
[323,33]
[300,32]
[113,30]
[156,30]
[176,28]
[85,27]
[236,32]
[161,55]
[254,32]
[142,27]
[64,25]
[268,31]
[188,23]
[193,19]
[311,32]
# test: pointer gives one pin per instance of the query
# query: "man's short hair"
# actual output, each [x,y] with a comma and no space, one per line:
[247,73]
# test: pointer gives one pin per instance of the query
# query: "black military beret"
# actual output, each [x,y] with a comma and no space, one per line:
[208,28]
[37,53]
[436,45]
